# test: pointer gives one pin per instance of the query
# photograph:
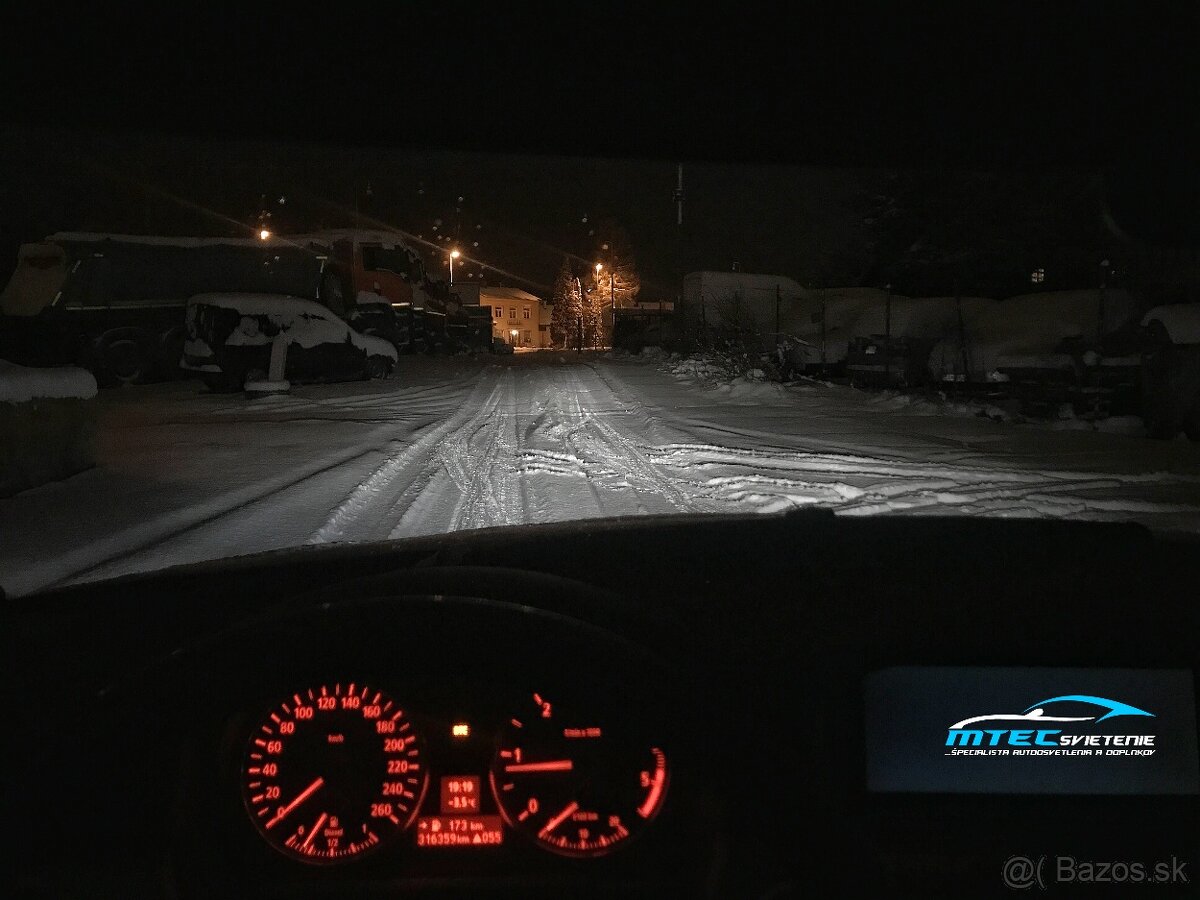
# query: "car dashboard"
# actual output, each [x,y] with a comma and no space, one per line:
[678,707]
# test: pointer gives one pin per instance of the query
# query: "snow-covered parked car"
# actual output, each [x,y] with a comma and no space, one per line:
[228,339]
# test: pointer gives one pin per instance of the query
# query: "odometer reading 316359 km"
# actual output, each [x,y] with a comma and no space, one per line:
[332,772]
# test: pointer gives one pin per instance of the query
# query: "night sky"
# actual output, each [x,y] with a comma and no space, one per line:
[180,122]
[529,209]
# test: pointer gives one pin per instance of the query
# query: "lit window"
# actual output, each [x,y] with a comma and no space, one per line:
[512,312]
[498,311]
[527,337]
[525,310]
[1038,276]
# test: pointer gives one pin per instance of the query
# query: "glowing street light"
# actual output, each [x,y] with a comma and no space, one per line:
[612,296]
[454,254]
[263,234]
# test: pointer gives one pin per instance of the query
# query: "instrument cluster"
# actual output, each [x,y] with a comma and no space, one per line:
[438,742]
[336,771]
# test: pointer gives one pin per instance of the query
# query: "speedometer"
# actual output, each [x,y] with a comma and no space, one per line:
[332,772]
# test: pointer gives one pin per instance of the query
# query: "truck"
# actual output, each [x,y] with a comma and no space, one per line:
[114,303]
[368,271]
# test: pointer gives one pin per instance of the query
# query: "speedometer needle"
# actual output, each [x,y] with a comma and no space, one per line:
[550,765]
[284,811]
[558,820]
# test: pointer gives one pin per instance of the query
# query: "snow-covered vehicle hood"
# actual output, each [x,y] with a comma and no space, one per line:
[305,322]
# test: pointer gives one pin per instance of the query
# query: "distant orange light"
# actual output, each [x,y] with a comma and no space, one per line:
[460,730]
[264,234]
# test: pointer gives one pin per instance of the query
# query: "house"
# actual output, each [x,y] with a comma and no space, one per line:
[518,317]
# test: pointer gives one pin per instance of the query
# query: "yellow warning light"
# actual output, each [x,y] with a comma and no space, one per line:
[460,730]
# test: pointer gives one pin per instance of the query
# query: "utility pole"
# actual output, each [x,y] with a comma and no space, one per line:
[887,335]
[678,195]
[823,359]
[777,300]
[1100,311]
[680,254]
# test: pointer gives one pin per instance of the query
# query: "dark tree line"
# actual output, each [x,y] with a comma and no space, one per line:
[938,233]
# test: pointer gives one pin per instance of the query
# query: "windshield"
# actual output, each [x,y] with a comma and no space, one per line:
[213,348]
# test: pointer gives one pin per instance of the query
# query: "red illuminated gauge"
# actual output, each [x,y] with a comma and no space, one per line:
[573,785]
[332,772]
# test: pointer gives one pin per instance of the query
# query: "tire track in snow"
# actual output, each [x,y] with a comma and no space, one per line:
[480,459]
[862,485]
[373,507]
[606,452]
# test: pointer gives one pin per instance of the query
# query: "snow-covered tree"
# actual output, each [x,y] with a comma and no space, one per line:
[567,298]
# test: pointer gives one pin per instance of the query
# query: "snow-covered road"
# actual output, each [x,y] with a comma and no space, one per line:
[458,443]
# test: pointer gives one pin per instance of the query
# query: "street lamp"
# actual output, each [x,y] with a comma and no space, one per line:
[612,298]
[454,254]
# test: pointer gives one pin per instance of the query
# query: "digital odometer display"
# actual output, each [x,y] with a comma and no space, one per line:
[332,772]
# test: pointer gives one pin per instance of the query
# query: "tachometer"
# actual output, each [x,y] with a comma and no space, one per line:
[332,772]
[573,785]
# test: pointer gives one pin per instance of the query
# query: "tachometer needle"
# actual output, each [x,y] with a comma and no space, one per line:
[558,820]
[304,795]
[550,765]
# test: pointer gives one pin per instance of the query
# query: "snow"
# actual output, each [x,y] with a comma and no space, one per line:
[20,384]
[88,237]
[264,304]
[1181,320]
[386,239]
[375,346]
[306,323]
[370,298]
[1030,325]
[264,386]
[457,443]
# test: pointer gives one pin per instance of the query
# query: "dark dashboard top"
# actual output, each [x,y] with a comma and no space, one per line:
[738,645]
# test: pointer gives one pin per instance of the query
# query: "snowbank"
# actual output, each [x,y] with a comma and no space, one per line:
[47,430]
[749,297]
[1029,325]
[1181,321]
[861,312]
[19,384]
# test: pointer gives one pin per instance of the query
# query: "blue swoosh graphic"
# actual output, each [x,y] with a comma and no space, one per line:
[1114,707]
